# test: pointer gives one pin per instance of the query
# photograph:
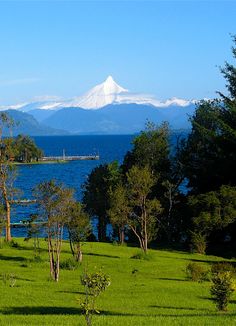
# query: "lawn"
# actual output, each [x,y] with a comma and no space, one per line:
[142,293]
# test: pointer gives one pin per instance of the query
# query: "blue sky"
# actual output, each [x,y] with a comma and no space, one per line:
[164,48]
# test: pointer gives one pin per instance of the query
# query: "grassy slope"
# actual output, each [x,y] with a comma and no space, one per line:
[157,294]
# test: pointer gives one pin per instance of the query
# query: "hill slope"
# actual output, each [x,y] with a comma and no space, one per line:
[26,124]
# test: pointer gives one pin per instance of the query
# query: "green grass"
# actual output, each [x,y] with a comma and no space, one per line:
[142,292]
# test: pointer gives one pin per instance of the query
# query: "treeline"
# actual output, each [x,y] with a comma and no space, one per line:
[184,196]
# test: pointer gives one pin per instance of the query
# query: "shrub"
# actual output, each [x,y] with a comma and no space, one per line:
[69,264]
[222,267]
[142,256]
[197,272]
[199,243]
[94,284]
[222,289]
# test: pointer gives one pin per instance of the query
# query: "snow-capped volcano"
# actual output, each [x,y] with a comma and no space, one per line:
[99,96]
[108,92]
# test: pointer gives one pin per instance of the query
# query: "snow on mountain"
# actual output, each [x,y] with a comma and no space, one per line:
[99,96]
[108,92]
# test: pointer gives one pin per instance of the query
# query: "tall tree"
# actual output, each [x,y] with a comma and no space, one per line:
[144,211]
[79,229]
[7,171]
[119,211]
[212,211]
[151,148]
[208,155]
[96,194]
[53,202]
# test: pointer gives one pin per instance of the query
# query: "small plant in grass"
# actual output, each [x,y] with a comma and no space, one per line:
[9,279]
[222,289]
[142,256]
[69,264]
[94,284]
[196,272]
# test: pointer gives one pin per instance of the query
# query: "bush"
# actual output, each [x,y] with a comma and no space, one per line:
[69,264]
[94,284]
[196,272]
[222,289]
[222,267]
[199,243]
[142,256]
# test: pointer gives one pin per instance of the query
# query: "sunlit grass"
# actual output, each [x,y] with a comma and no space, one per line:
[142,292]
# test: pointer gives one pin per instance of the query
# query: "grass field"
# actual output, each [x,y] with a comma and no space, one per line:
[156,294]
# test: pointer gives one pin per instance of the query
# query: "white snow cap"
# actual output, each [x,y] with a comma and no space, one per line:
[100,95]
[108,92]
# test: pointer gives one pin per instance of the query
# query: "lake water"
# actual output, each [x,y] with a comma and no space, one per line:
[73,174]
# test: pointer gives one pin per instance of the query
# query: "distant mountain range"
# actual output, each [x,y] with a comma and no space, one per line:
[26,124]
[106,109]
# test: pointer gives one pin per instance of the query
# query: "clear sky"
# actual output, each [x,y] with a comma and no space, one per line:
[63,48]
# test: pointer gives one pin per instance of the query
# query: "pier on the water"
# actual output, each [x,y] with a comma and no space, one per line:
[69,158]
[65,157]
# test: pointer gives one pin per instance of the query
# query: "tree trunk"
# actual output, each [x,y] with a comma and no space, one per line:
[79,256]
[8,221]
[101,229]
[122,235]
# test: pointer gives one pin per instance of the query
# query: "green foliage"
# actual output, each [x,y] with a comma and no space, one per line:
[79,228]
[222,289]
[151,148]
[101,181]
[208,155]
[199,242]
[119,210]
[69,264]
[22,149]
[94,284]
[196,272]
[221,267]
[54,202]
[212,211]
[144,211]
[142,256]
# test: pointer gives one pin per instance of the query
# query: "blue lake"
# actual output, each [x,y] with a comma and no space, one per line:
[73,174]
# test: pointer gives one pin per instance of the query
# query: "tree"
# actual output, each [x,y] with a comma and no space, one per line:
[151,148]
[212,211]
[208,155]
[26,150]
[7,171]
[53,201]
[119,210]
[79,229]
[144,211]
[96,194]
[2,221]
